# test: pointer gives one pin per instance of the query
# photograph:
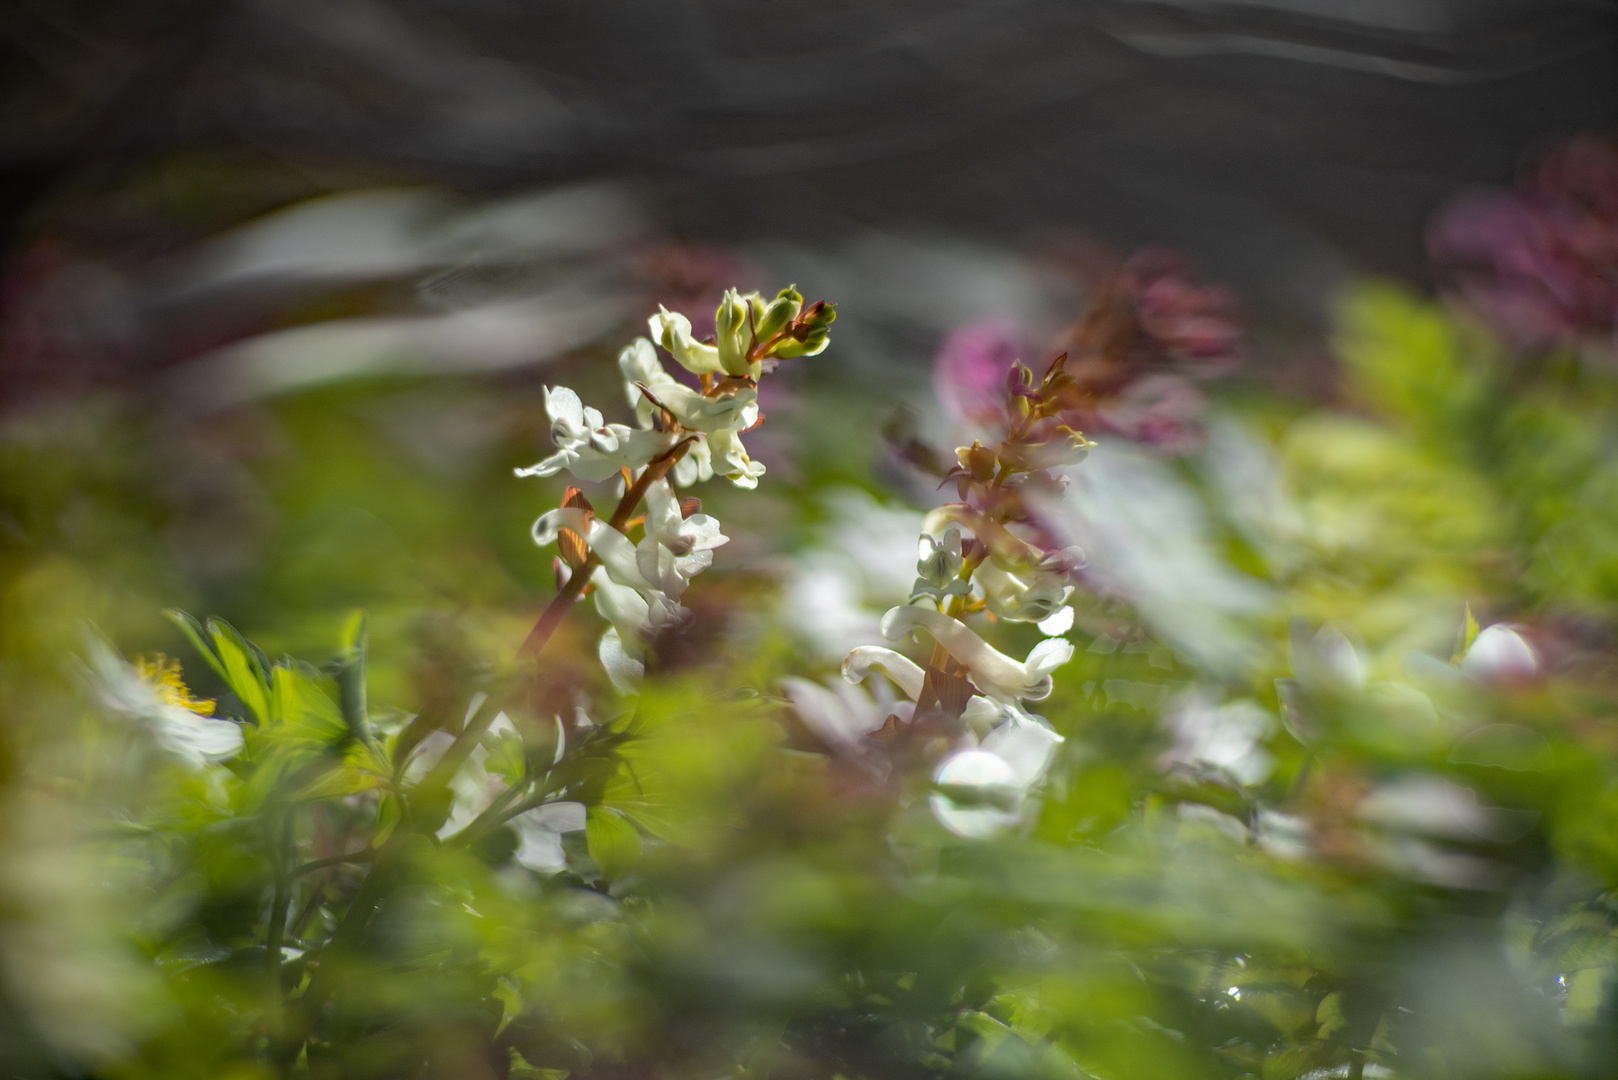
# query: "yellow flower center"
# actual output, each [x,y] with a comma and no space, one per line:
[162,673]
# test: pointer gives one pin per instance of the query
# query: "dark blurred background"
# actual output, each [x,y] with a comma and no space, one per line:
[1286,145]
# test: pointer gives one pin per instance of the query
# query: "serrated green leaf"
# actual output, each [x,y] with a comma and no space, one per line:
[506,757]
[241,669]
[350,674]
[613,841]
[198,637]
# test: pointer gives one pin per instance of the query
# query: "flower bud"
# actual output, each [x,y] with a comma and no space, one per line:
[732,334]
[778,314]
[1500,655]
[938,559]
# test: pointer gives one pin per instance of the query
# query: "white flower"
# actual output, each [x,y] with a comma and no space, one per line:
[625,664]
[696,466]
[982,788]
[474,787]
[672,330]
[680,535]
[996,675]
[977,794]
[637,587]
[1500,655]
[1032,595]
[716,421]
[1228,736]
[588,447]
[938,566]
[843,716]
[938,558]
[980,713]
[1058,624]
[984,791]
[735,410]
[539,835]
[157,701]
[730,460]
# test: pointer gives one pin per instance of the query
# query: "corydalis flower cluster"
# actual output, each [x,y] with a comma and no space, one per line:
[986,554]
[683,433]
[1540,262]
[1150,331]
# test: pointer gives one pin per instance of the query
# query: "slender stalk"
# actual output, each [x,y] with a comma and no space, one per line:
[559,606]
[361,856]
[280,844]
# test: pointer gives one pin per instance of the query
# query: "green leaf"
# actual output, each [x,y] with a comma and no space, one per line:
[613,842]
[349,672]
[1469,634]
[196,635]
[242,669]
[506,758]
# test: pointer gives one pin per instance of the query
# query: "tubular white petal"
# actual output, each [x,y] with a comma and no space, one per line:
[672,330]
[1025,745]
[995,674]
[623,668]
[622,606]
[553,522]
[548,467]
[904,672]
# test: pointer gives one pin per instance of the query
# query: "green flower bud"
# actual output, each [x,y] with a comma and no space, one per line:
[780,312]
[732,334]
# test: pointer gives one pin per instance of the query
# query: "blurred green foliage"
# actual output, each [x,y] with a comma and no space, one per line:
[1403,870]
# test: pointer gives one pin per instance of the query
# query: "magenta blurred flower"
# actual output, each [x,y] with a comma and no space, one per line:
[1541,263]
[1192,323]
[1164,411]
[969,371]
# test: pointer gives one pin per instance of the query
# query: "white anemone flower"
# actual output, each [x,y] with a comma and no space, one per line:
[587,446]
[996,675]
[1500,655]
[154,698]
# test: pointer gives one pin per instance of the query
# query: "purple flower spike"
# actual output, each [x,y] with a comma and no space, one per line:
[969,372]
[1193,323]
[1540,263]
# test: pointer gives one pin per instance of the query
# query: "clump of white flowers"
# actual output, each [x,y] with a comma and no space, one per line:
[684,434]
[986,554]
